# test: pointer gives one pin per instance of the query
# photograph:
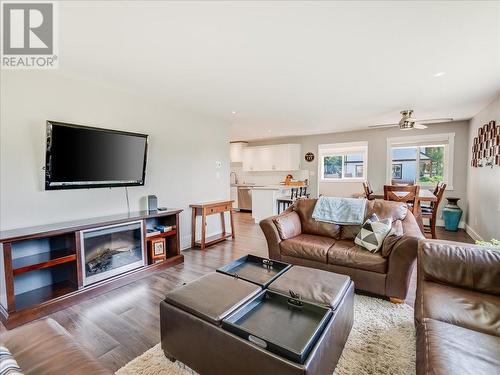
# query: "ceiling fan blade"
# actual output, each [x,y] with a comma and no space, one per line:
[383,126]
[420,126]
[435,120]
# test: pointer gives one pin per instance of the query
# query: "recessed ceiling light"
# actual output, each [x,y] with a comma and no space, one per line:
[233,112]
[439,74]
[269,130]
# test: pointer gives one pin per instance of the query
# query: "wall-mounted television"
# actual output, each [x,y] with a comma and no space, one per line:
[86,157]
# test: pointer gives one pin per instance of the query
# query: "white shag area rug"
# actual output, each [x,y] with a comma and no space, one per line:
[382,341]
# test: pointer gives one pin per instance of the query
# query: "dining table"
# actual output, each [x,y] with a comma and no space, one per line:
[424,195]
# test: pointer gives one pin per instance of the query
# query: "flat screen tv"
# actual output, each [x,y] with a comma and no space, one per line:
[87,157]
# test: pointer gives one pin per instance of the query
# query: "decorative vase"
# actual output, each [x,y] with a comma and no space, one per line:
[452,214]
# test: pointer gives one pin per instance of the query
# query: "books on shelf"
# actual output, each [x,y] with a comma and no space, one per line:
[159,229]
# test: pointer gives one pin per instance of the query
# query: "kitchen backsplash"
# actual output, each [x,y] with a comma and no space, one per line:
[266,178]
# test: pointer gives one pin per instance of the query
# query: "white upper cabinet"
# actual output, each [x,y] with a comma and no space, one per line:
[237,151]
[285,157]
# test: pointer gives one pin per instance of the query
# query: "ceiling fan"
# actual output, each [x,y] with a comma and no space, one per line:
[407,122]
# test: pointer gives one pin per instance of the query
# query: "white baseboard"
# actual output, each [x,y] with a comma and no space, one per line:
[471,232]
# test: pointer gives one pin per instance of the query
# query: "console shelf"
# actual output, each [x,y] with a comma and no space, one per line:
[44,293]
[42,260]
[42,268]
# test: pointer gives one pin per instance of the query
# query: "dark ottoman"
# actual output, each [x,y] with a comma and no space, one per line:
[191,319]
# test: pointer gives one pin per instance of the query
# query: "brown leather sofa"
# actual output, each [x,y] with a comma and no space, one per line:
[331,247]
[45,348]
[457,309]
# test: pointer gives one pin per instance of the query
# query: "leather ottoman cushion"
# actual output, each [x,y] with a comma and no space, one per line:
[45,348]
[462,307]
[444,349]
[213,296]
[321,287]
[347,253]
[307,246]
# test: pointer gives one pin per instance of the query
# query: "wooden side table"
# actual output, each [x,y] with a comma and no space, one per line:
[210,208]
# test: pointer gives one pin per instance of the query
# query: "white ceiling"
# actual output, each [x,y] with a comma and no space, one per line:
[290,68]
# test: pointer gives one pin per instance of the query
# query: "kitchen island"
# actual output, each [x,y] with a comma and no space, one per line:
[264,200]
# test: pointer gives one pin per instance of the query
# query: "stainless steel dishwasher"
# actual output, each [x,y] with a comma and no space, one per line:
[245,197]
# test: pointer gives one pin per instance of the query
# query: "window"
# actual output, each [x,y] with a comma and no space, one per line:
[422,164]
[343,161]
[425,160]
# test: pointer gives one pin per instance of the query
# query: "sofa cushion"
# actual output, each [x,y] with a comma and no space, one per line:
[304,208]
[460,265]
[372,233]
[45,348]
[307,246]
[444,349]
[386,209]
[288,225]
[347,253]
[462,307]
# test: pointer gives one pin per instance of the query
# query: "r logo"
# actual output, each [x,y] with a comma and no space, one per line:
[28,29]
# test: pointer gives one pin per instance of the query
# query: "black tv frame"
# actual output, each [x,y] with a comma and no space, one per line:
[49,125]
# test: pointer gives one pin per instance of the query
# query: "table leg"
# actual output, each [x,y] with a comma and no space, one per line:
[232,223]
[223,223]
[203,229]
[193,226]
[417,212]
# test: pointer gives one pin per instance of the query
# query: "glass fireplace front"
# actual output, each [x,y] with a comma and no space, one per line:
[111,250]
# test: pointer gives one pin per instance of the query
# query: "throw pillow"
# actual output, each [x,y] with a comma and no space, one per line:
[288,225]
[8,365]
[372,233]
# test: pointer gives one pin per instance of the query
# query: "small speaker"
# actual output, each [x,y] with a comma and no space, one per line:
[152,203]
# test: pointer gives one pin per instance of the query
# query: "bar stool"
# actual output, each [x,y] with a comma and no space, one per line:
[285,202]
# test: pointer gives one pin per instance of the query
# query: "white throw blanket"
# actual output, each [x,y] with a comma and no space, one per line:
[344,211]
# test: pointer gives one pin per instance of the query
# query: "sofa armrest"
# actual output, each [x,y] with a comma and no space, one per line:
[402,258]
[272,235]
[44,347]
[462,265]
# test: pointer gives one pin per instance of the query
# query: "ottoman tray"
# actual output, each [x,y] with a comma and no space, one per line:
[258,270]
[281,324]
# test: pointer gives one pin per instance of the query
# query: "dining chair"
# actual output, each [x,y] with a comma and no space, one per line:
[368,190]
[430,212]
[406,194]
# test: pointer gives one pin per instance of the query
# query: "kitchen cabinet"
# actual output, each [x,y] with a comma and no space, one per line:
[236,151]
[284,157]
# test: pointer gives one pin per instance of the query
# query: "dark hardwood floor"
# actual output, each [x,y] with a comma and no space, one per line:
[120,325]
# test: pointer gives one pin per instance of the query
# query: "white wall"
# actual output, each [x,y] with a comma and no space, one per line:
[483,184]
[182,155]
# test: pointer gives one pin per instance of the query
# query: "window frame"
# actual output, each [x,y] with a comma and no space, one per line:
[443,139]
[341,149]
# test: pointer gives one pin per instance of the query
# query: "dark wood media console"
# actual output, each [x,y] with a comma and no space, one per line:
[42,270]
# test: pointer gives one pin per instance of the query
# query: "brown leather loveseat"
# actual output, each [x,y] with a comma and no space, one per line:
[45,348]
[331,247]
[457,309]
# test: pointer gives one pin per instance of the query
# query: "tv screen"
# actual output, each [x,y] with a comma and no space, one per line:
[83,157]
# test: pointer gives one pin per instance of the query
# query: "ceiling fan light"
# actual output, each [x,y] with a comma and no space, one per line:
[405,124]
